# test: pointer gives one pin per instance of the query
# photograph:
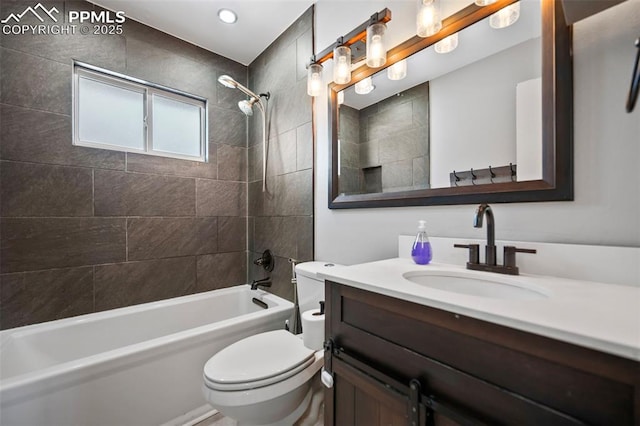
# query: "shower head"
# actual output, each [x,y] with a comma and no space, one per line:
[246,106]
[227,81]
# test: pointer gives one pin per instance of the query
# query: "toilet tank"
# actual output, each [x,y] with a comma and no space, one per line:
[310,285]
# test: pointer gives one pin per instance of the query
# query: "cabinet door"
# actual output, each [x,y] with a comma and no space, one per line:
[358,400]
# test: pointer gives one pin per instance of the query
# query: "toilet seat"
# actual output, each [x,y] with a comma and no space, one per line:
[257,361]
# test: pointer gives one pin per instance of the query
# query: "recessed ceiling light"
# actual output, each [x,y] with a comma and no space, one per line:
[227,16]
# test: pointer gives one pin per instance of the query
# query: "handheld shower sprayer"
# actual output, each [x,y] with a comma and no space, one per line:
[246,106]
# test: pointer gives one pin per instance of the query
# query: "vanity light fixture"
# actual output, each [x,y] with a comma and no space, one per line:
[340,97]
[314,80]
[376,52]
[447,44]
[367,37]
[397,71]
[485,2]
[342,64]
[505,17]
[428,21]
[364,86]
[227,16]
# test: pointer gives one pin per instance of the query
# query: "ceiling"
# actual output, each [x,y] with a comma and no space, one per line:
[259,23]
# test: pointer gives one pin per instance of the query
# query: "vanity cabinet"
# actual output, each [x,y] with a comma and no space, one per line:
[399,363]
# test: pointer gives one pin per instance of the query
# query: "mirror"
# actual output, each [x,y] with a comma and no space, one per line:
[489,121]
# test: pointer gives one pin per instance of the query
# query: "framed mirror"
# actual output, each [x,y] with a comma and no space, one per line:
[490,121]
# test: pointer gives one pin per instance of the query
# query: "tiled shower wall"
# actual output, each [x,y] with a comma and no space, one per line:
[281,219]
[84,229]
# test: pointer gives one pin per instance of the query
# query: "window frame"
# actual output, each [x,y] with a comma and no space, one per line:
[148,90]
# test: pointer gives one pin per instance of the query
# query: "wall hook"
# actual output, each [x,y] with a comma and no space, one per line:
[473,177]
[513,171]
[635,81]
[457,177]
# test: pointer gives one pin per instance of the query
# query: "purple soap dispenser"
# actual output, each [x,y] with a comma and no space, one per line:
[421,250]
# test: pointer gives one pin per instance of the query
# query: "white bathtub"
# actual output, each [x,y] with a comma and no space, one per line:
[140,365]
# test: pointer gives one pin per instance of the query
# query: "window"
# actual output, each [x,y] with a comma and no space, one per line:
[114,111]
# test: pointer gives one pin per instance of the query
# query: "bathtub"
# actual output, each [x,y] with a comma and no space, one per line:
[140,365]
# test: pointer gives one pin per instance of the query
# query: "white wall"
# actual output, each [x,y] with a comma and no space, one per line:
[606,210]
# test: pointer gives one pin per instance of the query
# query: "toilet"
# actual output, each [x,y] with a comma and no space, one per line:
[266,379]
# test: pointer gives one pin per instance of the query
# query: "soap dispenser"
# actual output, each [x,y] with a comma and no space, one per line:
[421,250]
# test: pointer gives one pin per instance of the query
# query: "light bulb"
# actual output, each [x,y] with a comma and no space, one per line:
[428,20]
[314,80]
[342,65]
[505,17]
[447,44]
[485,2]
[397,71]
[376,51]
[364,86]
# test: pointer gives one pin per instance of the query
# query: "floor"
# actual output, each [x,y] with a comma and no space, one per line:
[217,420]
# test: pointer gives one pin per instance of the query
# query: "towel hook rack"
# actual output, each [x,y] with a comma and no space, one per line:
[635,80]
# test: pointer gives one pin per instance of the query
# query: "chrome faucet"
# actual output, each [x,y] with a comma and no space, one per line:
[489,264]
[490,248]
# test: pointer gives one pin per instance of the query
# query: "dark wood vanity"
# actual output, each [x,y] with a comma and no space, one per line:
[399,363]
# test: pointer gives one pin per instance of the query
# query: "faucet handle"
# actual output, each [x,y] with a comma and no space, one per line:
[510,255]
[474,251]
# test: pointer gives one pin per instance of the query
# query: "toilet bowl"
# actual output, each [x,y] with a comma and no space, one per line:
[266,379]
[263,379]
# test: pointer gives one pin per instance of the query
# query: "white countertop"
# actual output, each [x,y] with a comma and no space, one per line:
[604,317]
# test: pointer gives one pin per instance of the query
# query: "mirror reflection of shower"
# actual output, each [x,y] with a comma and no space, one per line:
[246,106]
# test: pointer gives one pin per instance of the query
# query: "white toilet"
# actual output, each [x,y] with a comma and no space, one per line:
[265,379]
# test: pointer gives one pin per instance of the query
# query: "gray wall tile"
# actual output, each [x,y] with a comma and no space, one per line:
[255,163]
[35,111]
[220,198]
[282,156]
[155,238]
[32,244]
[232,163]
[157,65]
[276,234]
[390,121]
[397,175]
[228,126]
[304,147]
[32,297]
[221,270]
[33,82]
[42,137]
[133,194]
[304,50]
[43,190]
[131,283]
[274,214]
[296,196]
[143,163]
[232,234]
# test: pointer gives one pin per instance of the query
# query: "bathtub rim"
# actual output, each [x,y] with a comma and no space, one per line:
[16,387]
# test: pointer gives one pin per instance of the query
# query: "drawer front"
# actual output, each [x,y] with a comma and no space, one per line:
[428,341]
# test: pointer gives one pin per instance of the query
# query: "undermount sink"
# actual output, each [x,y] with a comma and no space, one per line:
[507,288]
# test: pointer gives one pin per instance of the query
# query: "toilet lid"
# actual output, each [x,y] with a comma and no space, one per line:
[257,361]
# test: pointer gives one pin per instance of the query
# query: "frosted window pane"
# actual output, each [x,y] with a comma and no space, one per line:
[176,127]
[110,115]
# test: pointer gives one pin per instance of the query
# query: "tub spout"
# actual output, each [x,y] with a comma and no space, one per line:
[265,282]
